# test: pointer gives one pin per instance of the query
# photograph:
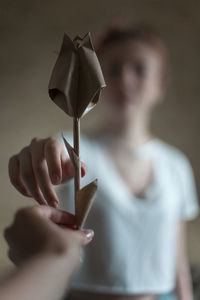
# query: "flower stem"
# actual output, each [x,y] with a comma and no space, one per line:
[77,176]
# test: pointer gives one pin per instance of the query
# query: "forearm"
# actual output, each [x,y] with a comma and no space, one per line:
[184,284]
[44,278]
[183,279]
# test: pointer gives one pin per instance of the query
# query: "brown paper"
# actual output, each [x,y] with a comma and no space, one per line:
[75,86]
[85,200]
[77,79]
[74,158]
[86,195]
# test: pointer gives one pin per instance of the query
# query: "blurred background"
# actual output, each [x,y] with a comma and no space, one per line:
[31,33]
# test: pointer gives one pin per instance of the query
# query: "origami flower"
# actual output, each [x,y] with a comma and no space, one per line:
[77,79]
[75,86]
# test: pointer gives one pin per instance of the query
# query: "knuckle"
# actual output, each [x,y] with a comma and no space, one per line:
[51,139]
[52,143]
[34,140]
[27,212]
[38,209]
[36,144]
[21,214]
[35,210]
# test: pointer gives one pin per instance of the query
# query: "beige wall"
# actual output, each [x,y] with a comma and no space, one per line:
[32,31]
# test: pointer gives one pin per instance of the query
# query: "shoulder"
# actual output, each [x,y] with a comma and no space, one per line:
[171,153]
[174,160]
[180,172]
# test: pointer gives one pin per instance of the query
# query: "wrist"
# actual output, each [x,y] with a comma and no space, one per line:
[68,256]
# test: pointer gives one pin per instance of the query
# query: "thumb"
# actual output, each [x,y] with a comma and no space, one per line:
[85,236]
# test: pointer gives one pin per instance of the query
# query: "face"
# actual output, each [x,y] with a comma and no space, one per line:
[132,72]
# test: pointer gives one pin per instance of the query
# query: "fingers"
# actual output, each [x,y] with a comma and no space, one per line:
[41,172]
[53,151]
[55,215]
[15,178]
[28,176]
[87,236]
[38,167]
[60,217]
[59,166]
[40,223]
[79,238]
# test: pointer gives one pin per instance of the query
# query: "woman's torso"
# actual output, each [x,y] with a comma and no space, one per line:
[134,247]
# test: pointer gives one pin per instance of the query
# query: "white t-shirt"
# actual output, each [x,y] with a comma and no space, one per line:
[134,248]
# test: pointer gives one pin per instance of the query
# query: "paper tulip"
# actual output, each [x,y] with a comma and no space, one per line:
[75,86]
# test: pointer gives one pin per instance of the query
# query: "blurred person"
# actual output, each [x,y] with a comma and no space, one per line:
[146,189]
[46,252]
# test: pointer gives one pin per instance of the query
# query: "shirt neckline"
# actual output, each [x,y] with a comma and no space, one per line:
[114,173]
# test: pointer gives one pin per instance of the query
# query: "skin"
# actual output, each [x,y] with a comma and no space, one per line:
[133,75]
[46,251]
[38,167]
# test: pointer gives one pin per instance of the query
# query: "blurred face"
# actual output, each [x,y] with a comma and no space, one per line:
[132,72]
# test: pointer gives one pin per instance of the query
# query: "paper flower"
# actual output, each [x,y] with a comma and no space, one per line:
[75,86]
[77,79]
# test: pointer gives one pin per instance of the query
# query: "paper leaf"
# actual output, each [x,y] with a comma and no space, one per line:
[72,154]
[84,202]
[76,77]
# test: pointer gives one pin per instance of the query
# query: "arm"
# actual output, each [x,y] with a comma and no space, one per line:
[44,277]
[47,254]
[183,281]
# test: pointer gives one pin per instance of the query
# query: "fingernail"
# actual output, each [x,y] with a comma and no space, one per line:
[56,179]
[54,203]
[88,233]
[83,170]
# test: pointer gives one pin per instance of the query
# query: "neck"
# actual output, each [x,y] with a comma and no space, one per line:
[132,133]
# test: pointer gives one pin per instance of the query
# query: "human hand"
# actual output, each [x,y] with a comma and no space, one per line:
[43,230]
[38,167]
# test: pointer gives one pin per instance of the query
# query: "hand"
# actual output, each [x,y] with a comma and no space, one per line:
[42,230]
[38,167]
